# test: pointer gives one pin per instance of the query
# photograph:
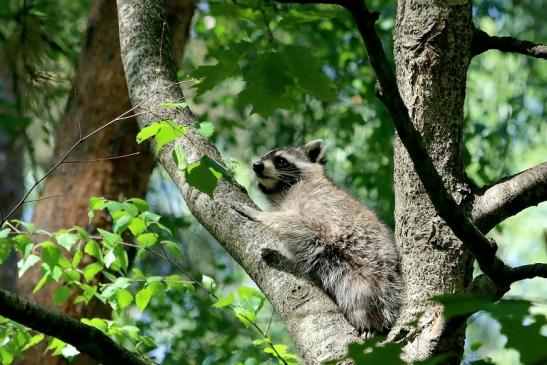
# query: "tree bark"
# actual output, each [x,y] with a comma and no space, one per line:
[315,323]
[12,182]
[100,95]
[432,53]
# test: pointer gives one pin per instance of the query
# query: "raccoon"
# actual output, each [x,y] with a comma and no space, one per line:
[331,236]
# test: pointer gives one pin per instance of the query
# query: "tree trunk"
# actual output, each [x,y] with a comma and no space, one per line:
[12,168]
[100,95]
[432,53]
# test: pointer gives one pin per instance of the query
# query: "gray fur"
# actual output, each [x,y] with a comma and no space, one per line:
[332,236]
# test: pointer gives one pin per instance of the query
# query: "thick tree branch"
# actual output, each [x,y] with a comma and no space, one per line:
[507,197]
[483,286]
[483,42]
[473,240]
[315,323]
[85,338]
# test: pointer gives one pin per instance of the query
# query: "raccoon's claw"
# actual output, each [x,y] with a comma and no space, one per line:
[244,210]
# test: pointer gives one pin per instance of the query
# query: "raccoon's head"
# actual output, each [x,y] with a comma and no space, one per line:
[281,168]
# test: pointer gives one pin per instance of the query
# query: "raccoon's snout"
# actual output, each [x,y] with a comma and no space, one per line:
[258,167]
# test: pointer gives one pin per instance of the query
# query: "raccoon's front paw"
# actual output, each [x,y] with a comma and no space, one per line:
[245,211]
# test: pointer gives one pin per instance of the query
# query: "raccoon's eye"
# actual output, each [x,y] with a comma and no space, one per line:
[280,161]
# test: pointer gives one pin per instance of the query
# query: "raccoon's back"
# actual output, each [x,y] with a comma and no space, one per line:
[332,222]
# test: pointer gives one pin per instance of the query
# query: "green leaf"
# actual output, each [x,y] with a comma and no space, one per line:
[147,239]
[124,298]
[141,204]
[82,233]
[168,132]
[109,258]
[66,240]
[143,298]
[97,203]
[173,105]
[5,232]
[4,251]
[92,248]
[121,222]
[224,301]
[148,132]
[266,84]
[179,156]
[119,283]
[27,263]
[307,72]
[373,351]
[61,294]
[262,102]
[50,253]
[461,304]
[41,282]
[212,75]
[109,238]
[88,292]
[137,226]
[208,282]
[165,131]
[205,175]
[91,270]
[206,129]
[77,258]
[173,249]
[150,217]
[69,351]
[34,340]
[56,346]
[245,316]
[98,323]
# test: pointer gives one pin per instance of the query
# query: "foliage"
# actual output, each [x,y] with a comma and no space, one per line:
[522,329]
[97,267]
[203,174]
[39,41]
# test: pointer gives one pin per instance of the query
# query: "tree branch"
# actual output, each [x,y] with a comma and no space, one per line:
[529,272]
[483,42]
[446,207]
[85,338]
[316,324]
[507,197]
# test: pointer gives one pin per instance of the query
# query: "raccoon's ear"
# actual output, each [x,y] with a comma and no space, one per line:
[315,150]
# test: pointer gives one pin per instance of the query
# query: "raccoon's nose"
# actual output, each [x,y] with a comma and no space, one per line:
[258,166]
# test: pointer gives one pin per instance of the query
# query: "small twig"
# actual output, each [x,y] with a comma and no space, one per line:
[266,23]
[79,124]
[104,158]
[77,143]
[43,198]
[270,321]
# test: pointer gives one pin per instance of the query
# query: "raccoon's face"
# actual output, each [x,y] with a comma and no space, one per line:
[281,168]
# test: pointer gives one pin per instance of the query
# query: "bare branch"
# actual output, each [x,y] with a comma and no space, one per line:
[509,196]
[76,144]
[483,42]
[529,272]
[104,158]
[85,338]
